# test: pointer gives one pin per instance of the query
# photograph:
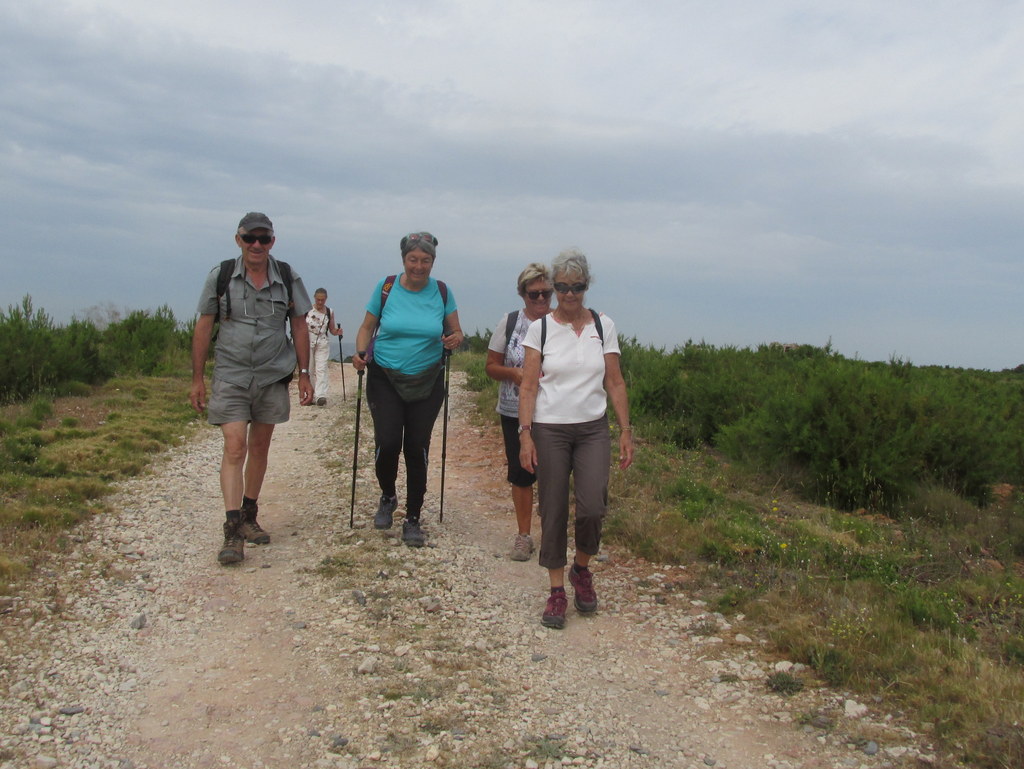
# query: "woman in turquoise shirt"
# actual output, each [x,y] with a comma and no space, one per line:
[410,321]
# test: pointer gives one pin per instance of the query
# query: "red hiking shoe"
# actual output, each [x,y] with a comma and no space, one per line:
[582,582]
[554,611]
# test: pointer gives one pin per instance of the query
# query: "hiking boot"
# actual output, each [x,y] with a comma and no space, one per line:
[412,534]
[233,550]
[253,533]
[554,611]
[321,401]
[582,582]
[522,548]
[385,512]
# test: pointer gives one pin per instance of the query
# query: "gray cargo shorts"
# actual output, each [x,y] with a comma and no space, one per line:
[269,405]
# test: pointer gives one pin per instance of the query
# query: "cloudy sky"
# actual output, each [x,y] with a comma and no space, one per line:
[737,172]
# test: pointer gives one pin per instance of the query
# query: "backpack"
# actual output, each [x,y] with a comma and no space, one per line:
[227,269]
[385,291]
[544,330]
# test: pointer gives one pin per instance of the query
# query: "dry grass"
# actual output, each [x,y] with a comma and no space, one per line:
[61,456]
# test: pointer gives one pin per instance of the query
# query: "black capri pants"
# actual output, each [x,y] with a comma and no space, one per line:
[402,428]
[517,476]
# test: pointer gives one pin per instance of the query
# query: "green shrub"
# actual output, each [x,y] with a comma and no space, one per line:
[42,358]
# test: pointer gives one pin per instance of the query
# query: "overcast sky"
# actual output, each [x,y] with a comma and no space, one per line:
[737,172]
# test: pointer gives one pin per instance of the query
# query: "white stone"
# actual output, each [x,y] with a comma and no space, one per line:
[854,709]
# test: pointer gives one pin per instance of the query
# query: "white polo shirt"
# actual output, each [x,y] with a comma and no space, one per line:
[572,371]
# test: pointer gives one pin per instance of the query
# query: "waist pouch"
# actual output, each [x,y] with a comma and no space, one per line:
[413,387]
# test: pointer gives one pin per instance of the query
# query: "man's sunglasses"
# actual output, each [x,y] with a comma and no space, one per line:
[535,295]
[263,239]
[575,288]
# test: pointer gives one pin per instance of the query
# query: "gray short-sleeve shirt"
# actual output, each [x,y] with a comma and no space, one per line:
[252,345]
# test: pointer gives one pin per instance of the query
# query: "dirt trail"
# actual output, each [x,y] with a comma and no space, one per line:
[339,647]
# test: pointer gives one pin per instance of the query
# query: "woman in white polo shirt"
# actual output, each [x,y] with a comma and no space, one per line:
[570,372]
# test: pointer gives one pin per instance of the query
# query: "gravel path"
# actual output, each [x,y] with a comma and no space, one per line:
[339,647]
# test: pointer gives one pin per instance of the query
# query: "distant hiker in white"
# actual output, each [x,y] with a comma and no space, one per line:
[320,322]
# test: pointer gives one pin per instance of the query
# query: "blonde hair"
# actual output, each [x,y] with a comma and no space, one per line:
[534,271]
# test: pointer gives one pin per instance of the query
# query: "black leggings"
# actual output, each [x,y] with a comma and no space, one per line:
[400,427]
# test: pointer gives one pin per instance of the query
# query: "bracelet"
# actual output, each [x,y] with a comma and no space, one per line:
[303,371]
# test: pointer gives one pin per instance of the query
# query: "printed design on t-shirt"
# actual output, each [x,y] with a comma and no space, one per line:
[318,323]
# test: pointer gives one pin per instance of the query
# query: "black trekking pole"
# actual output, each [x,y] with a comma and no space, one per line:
[444,429]
[341,357]
[355,453]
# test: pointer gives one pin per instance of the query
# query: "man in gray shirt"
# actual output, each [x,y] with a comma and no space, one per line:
[253,363]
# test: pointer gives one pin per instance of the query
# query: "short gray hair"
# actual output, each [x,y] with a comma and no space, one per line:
[572,262]
[534,271]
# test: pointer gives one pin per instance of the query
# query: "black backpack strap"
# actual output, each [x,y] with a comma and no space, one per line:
[385,291]
[286,275]
[227,269]
[597,322]
[510,325]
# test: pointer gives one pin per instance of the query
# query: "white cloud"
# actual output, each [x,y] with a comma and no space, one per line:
[739,172]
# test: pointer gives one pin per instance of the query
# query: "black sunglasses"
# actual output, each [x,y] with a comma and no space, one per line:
[575,288]
[535,295]
[263,239]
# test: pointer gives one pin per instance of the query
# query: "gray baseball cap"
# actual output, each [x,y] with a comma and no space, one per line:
[254,221]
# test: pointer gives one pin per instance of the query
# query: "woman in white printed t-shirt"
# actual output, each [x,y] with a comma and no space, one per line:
[570,373]
[505,355]
[320,320]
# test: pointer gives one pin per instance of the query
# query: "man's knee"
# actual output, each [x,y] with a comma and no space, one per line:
[234,452]
[260,436]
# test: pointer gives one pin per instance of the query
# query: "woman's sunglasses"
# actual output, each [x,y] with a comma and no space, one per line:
[575,288]
[263,239]
[535,295]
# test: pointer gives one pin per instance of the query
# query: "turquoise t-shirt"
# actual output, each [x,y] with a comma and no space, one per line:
[409,337]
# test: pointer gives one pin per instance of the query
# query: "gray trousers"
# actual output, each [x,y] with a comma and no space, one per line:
[583,451]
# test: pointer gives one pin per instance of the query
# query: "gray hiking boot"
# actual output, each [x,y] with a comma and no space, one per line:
[253,533]
[412,534]
[522,548]
[233,550]
[385,512]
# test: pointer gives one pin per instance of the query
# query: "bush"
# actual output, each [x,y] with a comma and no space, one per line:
[41,357]
[846,432]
